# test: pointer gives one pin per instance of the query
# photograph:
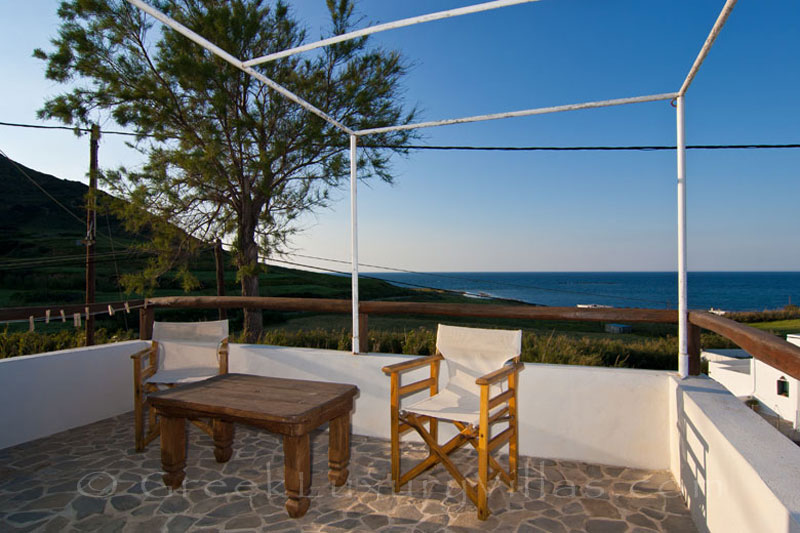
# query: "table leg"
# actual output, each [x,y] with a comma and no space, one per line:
[297,474]
[223,440]
[173,450]
[339,449]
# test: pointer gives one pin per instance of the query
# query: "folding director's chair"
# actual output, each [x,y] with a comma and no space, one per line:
[480,392]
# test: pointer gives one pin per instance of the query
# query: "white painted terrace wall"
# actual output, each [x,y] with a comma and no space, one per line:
[46,393]
[599,415]
[736,471]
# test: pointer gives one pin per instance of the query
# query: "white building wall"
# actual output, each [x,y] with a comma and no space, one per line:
[766,386]
[735,375]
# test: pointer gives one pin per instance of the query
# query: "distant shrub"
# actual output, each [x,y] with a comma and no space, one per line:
[789,312]
[31,342]
[652,353]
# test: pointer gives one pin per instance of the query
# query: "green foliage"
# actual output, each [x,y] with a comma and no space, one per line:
[789,312]
[26,343]
[226,157]
[655,353]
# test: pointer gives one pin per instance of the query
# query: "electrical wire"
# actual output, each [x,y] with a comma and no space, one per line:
[53,198]
[18,264]
[56,319]
[116,266]
[366,276]
[483,281]
[646,148]
[68,128]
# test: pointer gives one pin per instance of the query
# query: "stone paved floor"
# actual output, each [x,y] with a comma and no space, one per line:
[90,479]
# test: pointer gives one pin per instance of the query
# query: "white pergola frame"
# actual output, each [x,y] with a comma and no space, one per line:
[678,97]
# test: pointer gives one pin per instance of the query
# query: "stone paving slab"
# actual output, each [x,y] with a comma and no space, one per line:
[90,479]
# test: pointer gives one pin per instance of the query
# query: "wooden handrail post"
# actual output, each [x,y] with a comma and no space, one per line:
[147,315]
[363,333]
[694,349]
[220,267]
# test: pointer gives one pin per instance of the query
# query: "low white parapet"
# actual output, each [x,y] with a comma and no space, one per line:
[46,393]
[611,416]
[736,471]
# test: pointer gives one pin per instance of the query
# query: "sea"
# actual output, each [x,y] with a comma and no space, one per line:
[728,291]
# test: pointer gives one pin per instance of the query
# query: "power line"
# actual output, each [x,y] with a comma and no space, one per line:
[483,281]
[365,276]
[23,263]
[68,128]
[53,198]
[644,148]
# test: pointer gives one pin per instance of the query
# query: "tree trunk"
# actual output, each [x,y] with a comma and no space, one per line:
[249,270]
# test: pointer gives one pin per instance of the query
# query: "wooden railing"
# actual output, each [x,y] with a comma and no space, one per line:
[40,311]
[764,346]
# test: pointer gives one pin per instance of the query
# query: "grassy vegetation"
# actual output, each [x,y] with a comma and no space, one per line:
[32,228]
[27,342]
[779,327]
[789,312]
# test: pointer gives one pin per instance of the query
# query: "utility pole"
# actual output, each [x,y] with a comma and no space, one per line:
[91,230]
[223,313]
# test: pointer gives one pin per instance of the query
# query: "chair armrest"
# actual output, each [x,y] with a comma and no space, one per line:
[500,374]
[141,353]
[413,363]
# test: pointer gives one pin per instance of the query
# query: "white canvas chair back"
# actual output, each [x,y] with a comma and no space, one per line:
[473,352]
[190,347]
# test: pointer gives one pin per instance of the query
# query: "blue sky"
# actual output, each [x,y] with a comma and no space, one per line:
[576,211]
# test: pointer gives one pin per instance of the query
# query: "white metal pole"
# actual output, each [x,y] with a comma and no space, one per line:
[354,236]
[683,339]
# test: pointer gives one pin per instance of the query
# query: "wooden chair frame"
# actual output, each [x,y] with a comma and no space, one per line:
[145,365]
[479,437]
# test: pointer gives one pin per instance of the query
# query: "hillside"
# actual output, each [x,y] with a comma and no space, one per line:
[42,254]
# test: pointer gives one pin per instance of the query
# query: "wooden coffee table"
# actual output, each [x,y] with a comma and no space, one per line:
[290,407]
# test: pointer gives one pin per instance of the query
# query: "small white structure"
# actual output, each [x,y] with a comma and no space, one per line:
[619,328]
[745,376]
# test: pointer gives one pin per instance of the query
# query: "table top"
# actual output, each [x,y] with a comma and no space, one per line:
[254,399]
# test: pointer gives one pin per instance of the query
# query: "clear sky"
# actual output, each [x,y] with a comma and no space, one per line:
[532,211]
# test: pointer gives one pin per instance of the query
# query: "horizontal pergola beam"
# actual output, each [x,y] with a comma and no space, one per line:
[522,113]
[236,62]
[430,17]
[712,36]
[247,66]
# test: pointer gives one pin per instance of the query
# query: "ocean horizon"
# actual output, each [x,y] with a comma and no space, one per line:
[726,290]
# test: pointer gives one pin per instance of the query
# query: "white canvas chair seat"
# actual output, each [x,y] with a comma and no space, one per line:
[182,375]
[181,352]
[477,373]
[450,404]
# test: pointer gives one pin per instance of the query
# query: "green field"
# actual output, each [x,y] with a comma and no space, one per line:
[779,327]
